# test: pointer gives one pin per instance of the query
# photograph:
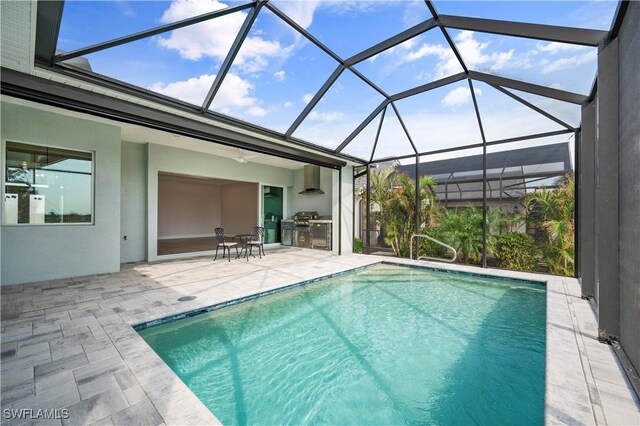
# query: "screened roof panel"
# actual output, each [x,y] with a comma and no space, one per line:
[563,66]
[349,27]
[269,82]
[345,105]
[441,118]
[565,111]
[393,141]
[362,145]
[581,14]
[89,22]
[278,70]
[419,60]
[504,117]
[145,63]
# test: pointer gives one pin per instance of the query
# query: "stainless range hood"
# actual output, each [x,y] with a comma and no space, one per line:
[311,180]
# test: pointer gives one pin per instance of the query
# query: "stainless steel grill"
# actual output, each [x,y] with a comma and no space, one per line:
[302,233]
[301,219]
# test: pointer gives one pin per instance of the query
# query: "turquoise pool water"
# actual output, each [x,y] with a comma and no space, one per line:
[384,345]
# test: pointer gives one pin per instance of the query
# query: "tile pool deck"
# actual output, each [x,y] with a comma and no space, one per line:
[69,343]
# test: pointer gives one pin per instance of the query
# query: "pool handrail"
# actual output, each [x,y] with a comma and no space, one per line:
[448,247]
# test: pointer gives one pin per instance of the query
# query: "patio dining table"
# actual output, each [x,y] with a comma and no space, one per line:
[243,240]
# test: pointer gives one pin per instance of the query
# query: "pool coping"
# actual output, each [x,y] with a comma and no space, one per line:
[564,399]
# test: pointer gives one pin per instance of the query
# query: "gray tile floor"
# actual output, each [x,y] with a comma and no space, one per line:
[68,344]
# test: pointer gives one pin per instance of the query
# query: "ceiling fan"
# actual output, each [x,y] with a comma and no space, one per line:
[244,158]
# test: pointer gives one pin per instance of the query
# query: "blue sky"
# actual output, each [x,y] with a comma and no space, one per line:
[277,71]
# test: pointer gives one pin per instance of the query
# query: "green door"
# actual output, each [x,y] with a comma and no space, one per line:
[272,210]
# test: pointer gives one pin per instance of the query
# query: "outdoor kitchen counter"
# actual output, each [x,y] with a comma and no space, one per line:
[320,221]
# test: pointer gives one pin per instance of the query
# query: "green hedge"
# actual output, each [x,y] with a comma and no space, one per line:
[516,251]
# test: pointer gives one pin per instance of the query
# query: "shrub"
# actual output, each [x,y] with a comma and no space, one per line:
[358,247]
[429,248]
[517,251]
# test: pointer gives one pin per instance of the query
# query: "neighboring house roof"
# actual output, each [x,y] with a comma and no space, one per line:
[510,174]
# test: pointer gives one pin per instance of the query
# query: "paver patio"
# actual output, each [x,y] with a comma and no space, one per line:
[69,343]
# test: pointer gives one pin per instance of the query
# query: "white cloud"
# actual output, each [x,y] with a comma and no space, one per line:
[288,104]
[125,8]
[459,96]
[257,111]
[307,98]
[501,60]
[569,62]
[300,11]
[555,48]
[402,47]
[470,49]
[326,117]
[280,75]
[234,92]
[213,38]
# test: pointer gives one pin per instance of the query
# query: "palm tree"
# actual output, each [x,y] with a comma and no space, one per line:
[555,209]
[462,229]
[393,198]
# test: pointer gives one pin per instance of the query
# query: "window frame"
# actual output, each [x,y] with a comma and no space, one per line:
[3,157]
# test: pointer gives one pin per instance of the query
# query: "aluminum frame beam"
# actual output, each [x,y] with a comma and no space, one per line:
[362,125]
[524,177]
[621,11]
[391,42]
[529,137]
[579,36]
[146,33]
[314,101]
[406,131]
[547,92]
[293,24]
[231,55]
[446,35]
[49,16]
[533,107]
[375,142]
[484,175]
[429,86]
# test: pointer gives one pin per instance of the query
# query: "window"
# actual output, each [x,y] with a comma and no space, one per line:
[45,185]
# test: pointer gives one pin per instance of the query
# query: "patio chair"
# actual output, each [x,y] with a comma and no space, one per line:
[257,240]
[226,246]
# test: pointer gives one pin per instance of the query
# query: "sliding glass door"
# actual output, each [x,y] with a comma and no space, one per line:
[272,212]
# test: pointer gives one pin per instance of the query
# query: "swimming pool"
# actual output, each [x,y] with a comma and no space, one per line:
[383,345]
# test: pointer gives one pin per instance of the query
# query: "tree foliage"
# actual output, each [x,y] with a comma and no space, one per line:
[393,201]
[552,210]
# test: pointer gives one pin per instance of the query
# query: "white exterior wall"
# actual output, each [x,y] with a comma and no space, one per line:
[125,196]
[17,34]
[322,203]
[133,206]
[43,252]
